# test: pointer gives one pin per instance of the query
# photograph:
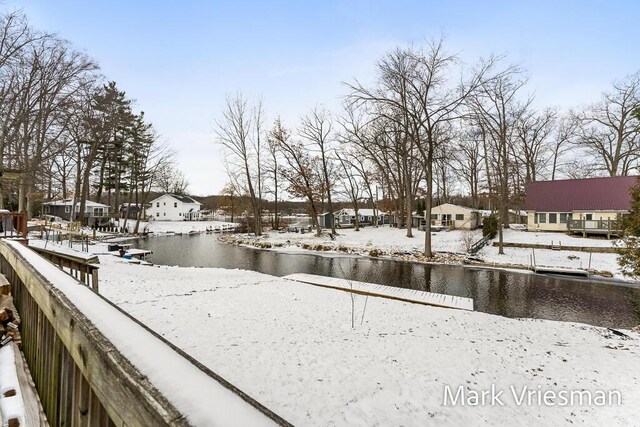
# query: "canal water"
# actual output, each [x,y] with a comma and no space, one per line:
[509,294]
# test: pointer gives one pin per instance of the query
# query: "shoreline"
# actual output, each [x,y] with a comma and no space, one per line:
[459,259]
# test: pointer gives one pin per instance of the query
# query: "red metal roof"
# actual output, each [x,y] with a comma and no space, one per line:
[607,193]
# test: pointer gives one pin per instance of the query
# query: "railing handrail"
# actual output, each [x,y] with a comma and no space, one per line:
[127,395]
[602,224]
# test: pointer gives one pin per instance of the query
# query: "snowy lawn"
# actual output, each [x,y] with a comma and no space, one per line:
[390,241]
[163,227]
[292,347]
[548,238]
[386,239]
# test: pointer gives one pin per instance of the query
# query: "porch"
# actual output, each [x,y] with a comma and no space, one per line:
[585,227]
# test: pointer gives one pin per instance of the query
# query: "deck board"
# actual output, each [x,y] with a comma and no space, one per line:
[402,294]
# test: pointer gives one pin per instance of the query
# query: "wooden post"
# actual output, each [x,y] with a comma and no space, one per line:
[94,280]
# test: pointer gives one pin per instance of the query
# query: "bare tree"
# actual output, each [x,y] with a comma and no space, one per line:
[609,132]
[299,170]
[496,108]
[169,179]
[351,184]
[234,133]
[469,161]
[317,127]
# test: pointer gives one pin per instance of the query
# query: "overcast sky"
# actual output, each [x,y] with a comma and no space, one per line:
[178,59]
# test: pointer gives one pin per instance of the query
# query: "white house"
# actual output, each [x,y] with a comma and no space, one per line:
[171,207]
[455,216]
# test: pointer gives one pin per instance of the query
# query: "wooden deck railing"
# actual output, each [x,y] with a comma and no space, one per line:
[82,268]
[63,349]
[13,225]
[82,378]
[609,226]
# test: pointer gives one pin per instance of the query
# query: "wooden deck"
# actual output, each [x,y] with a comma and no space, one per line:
[608,227]
[402,294]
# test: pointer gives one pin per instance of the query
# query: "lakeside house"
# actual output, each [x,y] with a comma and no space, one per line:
[172,207]
[347,217]
[132,208]
[456,216]
[584,206]
[94,212]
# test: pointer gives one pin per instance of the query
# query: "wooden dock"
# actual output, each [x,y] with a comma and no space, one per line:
[561,271]
[382,291]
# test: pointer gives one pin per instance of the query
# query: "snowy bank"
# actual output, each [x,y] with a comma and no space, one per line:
[292,347]
[449,247]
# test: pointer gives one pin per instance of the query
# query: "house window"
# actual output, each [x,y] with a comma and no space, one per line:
[157,213]
[553,218]
[459,217]
[541,218]
[46,209]
[588,217]
[434,216]
[164,214]
[563,218]
[175,204]
[164,203]
[179,213]
[67,209]
[157,204]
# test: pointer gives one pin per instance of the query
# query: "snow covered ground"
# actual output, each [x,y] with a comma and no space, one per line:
[165,227]
[390,241]
[386,239]
[291,346]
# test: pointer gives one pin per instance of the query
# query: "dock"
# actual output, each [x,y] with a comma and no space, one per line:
[383,291]
[561,271]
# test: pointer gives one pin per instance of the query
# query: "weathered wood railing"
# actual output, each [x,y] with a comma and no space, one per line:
[82,378]
[82,268]
[13,225]
[596,226]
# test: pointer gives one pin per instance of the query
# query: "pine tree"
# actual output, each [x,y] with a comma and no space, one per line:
[629,258]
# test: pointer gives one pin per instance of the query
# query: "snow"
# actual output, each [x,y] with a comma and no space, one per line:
[391,292]
[392,241]
[204,401]
[292,347]
[165,227]
[547,238]
[386,239]
[61,249]
[11,407]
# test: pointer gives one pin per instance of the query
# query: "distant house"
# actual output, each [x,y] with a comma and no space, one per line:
[171,207]
[455,216]
[586,206]
[347,217]
[515,216]
[63,209]
[133,209]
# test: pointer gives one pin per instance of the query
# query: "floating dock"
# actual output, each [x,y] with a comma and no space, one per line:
[382,291]
[561,271]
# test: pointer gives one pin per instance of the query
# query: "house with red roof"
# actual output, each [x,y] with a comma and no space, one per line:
[582,206]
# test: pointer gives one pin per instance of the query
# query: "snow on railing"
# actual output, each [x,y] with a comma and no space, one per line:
[95,365]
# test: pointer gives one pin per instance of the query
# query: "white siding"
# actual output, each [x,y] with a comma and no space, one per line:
[167,208]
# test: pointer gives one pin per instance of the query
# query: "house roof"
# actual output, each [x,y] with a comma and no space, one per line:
[69,202]
[183,199]
[457,206]
[606,193]
[361,212]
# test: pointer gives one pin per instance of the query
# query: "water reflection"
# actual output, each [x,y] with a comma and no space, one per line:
[497,292]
